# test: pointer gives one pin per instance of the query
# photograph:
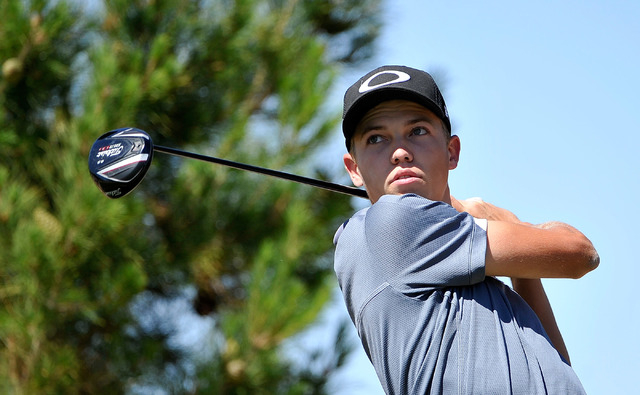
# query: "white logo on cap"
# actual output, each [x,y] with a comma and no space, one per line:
[402,77]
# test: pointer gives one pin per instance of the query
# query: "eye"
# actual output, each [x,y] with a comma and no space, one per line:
[419,131]
[374,139]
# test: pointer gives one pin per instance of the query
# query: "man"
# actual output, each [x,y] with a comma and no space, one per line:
[416,268]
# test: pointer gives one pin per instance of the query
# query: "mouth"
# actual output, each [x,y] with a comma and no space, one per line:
[405,177]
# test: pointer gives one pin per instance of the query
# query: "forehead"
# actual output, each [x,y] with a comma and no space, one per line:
[394,110]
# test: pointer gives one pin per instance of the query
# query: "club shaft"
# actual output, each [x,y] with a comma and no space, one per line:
[261,170]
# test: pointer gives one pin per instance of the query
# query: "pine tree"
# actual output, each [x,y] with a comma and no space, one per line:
[94,290]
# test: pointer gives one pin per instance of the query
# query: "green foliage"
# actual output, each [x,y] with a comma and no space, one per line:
[87,284]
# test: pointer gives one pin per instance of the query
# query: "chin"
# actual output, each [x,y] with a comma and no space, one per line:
[407,190]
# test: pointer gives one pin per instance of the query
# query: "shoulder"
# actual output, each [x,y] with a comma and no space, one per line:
[357,217]
[403,217]
[403,212]
[409,201]
[389,208]
[410,204]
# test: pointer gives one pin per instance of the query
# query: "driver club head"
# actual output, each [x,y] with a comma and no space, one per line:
[119,160]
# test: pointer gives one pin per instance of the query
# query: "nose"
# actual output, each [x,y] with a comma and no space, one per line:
[401,154]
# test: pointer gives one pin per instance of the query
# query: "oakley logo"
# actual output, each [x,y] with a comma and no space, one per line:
[400,77]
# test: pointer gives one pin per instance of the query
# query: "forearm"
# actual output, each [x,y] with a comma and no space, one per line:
[533,293]
[522,250]
[526,251]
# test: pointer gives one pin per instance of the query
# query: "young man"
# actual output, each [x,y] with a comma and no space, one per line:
[416,268]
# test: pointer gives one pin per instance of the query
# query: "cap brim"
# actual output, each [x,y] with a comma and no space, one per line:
[372,99]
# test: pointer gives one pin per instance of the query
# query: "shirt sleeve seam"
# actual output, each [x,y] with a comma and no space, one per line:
[482,224]
[380,288]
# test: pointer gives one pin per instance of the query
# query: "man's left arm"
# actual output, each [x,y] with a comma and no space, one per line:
[532,291]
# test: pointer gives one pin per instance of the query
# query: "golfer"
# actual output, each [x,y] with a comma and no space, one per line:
[417,268]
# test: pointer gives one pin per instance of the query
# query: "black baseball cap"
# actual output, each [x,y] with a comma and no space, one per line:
[390,83]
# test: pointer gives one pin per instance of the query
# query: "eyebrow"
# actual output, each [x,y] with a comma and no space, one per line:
[408,123]
[369,129]
[419,120]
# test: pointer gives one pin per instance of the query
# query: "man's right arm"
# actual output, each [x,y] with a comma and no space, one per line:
[527,253]
[522,250]
[548,250]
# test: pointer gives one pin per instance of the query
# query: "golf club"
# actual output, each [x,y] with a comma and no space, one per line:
[119,160]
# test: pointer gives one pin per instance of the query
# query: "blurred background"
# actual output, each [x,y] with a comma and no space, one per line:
[213,280]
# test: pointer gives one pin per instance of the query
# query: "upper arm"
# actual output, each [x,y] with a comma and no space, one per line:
[423,244]
[526,251]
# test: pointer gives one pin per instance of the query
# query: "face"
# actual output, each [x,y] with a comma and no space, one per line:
[401,147]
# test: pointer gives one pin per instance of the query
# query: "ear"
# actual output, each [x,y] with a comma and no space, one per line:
[454,152]
[352,168]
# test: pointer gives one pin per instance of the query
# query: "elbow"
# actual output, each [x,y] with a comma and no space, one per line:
[589,263]
[585,259]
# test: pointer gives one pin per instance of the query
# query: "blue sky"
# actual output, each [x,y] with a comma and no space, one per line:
[545,98]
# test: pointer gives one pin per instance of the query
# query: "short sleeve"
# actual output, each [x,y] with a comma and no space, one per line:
[423,244]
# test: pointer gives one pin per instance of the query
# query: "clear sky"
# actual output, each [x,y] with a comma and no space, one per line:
[545,96]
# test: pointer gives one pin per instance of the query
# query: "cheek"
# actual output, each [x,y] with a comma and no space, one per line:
[369,172]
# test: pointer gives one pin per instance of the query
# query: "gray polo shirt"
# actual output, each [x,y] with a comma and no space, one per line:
[412,274]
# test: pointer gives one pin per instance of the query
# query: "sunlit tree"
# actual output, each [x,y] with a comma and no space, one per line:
[97,294]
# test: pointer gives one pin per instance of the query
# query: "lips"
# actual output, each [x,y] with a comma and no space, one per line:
[404,175]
